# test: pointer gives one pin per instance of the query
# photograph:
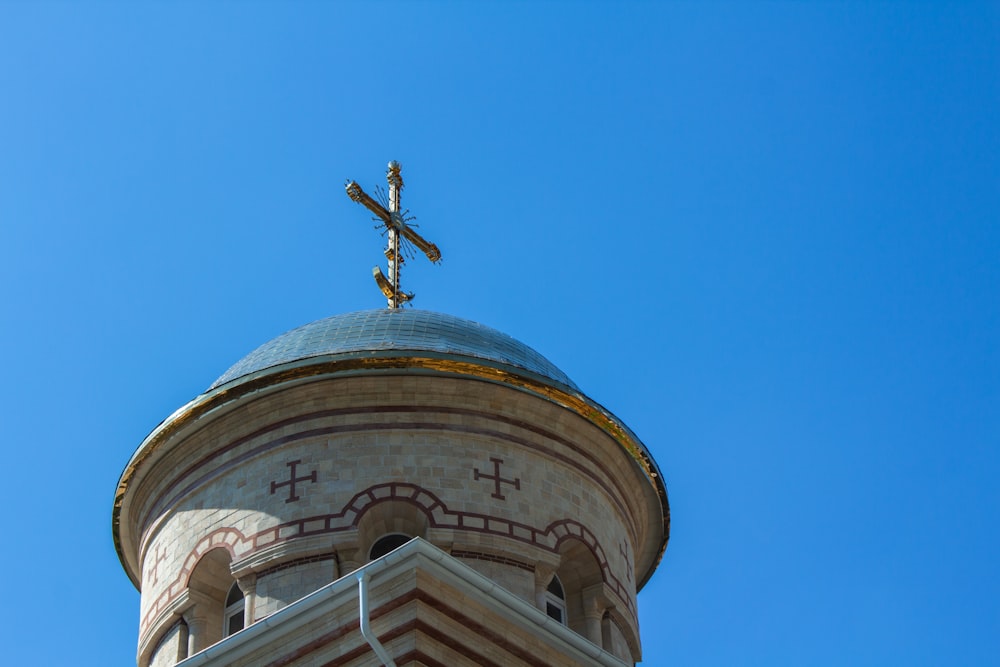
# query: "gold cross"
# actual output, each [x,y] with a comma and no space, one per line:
[395,223]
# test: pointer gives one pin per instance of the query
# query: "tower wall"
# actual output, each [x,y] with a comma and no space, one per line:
[507,481]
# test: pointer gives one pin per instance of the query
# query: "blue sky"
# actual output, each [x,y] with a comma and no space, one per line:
[765,235]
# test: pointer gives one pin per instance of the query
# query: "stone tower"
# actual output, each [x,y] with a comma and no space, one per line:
[395,487]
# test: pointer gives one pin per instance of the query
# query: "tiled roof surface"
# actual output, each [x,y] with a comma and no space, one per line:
[388,330]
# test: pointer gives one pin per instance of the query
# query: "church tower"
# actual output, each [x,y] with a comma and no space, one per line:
[390,487]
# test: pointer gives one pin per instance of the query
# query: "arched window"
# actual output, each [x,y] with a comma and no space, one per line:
[233,615]
[209,584]
[555,600]
[386,525]
[387,543]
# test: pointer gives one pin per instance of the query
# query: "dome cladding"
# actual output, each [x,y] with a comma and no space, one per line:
[405,331]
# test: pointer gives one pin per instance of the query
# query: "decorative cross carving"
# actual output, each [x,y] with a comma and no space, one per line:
[159,555]
[395,222]
[292,481]
[497,479]
[623,550]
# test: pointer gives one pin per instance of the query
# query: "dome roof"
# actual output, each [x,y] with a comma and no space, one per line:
[370,332]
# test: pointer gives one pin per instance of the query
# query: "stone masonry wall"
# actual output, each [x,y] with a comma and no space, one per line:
[500,478]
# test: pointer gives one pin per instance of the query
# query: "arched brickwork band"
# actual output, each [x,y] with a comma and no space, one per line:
[219,461]
[240,546]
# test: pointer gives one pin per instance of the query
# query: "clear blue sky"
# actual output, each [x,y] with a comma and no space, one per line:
[765,235]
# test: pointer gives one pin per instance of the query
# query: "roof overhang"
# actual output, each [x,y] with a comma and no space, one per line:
[406,362]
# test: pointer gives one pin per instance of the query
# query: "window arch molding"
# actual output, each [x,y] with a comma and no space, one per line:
[395,521]
[209,585]
[582,579]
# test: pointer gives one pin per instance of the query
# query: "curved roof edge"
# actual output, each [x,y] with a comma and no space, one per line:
[402,331]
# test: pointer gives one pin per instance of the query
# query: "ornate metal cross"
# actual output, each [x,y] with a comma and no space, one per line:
[398,232]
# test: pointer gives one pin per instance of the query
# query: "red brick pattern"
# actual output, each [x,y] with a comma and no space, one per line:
[219,461]
[439,516]
[492,558]
[305,560]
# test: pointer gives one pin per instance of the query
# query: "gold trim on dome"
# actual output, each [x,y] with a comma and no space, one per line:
[306,368]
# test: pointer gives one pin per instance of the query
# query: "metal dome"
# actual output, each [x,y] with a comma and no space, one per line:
[403,330]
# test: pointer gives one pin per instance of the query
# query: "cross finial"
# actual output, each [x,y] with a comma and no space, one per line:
[399,232]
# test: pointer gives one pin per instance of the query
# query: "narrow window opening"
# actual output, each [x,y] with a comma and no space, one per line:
[233,616]
[555,600]
[387,543]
